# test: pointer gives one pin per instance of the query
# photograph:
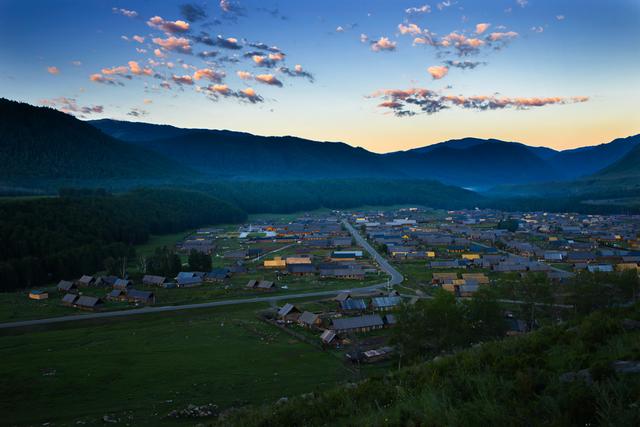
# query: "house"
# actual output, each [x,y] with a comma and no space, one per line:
[144,297]
[66,286]
[439,278]
[298,260]
[481,278]
[237,269]
[385,303]
[217,275]
[357,324]
[38,294]
[105,281]
[627,266]
[301,269]
[289,313]
[345,255]
[263,285]
[470,256]
[342,296]
[341,271]
[352,304]
[377,355]
[309,319]
[328,337]
[150,280]
[117,295]
[600,268]
[86,302]
[389,320]
[276,262]
[123,284]
[454,263]
[188,279]
[85,281]
[69,299]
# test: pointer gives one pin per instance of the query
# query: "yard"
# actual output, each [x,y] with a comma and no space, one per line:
[138,370]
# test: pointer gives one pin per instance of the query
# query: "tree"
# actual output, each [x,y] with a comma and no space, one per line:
[199,261]
[484,315]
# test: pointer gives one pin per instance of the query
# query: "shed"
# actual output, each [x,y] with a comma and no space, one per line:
[69,299]
[67,286]
[309,319]
[38,294]
[289,312]
[86,302]
[151,280]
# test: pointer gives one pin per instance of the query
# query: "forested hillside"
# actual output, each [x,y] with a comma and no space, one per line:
[47,239]
[39,144]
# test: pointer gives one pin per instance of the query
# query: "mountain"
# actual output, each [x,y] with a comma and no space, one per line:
[627,166]
[42,144]
[222,153]
[464,143]
[585,161]
[475,163]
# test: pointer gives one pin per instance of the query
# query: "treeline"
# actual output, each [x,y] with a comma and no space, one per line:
[47,239]
[291,196]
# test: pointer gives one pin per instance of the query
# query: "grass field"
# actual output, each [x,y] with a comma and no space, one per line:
[137,371]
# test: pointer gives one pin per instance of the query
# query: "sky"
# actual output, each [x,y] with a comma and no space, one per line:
[386,75]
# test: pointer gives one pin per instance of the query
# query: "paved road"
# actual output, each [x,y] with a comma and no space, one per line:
[396,278]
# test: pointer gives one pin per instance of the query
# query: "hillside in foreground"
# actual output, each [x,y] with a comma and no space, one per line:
[585,373]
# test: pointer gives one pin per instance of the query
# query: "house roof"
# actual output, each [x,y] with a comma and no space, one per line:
[88,301]
[153,280]
[328,336]
[69,298]
[308,318]
[137,294]
[353,304]
[287,309]
[382,302]
[65,285]
[366,321]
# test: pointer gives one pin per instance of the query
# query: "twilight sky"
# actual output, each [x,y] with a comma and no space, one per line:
[386,75]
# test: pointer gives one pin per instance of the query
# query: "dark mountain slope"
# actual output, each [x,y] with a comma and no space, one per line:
[627,166]
[39,143]
[588,160]
[480,165]
[464,143]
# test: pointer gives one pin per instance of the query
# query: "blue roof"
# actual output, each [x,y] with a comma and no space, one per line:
[353,304]
[385,301]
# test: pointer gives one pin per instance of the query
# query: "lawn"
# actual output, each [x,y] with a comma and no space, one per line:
[137,370]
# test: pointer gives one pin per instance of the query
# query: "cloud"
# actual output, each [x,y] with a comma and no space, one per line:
[297,71]
[148,101]
[138,38]
[159,53]
[264,46]
[76,63]
[412,29]
[120,70]
[522,3]
[268,79]
[177,44]
[231,7]
[268,61]
[560,17]
[182,80]
[125,12]
[383,44]
[250,95]
[537,29]
[438,71]
[209,74]
[482,27]
[364,38]
[220,89]
[70,106]
[244,75]
[409,102]
[444,4]
[137,70]
[464,65]
[53,70]
[227,43]
[208,54]
[137,112]
[193,12]
[99,78]
[498,36]
[340,29]
[169,27]
[418,10]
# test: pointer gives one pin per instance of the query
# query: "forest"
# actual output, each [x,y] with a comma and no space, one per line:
[47,239]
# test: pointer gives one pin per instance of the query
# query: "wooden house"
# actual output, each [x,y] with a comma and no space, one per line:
[67,287]
[364,323]
[89,303]
[276,262]
[151,280]
[86,281]
[140,297]
[69,300]
[289,313]
[38,294]
[309,320]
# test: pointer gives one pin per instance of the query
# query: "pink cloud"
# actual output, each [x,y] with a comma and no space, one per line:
[53,70]
[138,38]
[412,29]
[182,80]
[169,27]
[438,71]
[383,44]
[268,79]
[178,44]
[136,69]
[244,75]
[121,70]
[482,27]
[502,35]
[209,74]
[250,95]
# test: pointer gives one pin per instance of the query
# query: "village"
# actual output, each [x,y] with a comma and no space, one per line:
[329,290]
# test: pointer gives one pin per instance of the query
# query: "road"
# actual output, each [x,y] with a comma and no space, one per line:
[396,278]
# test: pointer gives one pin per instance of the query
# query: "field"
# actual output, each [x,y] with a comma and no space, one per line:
[138,371]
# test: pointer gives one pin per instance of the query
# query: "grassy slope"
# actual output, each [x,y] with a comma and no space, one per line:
[509,382]
[148,367]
